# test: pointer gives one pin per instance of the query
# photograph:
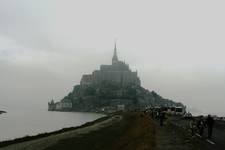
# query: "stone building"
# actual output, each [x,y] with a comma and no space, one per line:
[58,106]
[117,72]
[51,105]
[63,105]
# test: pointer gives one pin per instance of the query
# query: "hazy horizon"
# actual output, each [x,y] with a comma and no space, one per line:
[177,47]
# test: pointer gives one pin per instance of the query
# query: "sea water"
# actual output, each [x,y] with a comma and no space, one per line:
[20,123]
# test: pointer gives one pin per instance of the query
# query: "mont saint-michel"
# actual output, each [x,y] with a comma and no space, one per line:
[112,88]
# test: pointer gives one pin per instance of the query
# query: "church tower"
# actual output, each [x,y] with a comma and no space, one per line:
[115,58]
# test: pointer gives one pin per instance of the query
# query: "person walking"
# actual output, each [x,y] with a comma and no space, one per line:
[192,126]
[201,125]
[161,118]
[210,123]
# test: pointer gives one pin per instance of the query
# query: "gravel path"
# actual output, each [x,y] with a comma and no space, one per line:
[43,143]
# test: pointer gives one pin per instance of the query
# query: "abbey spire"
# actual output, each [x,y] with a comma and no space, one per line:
[115,58]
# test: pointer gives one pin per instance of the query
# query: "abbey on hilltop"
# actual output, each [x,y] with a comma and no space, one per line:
[111,88]
[117,72]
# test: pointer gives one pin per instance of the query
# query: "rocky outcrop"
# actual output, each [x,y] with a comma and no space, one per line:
[96,97]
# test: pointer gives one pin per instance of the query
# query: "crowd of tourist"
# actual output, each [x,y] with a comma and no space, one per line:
[197,125]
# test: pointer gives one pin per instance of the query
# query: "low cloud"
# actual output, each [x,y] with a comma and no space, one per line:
[177,48]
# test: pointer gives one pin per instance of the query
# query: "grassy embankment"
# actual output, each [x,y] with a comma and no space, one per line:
[134,131]
[42,135]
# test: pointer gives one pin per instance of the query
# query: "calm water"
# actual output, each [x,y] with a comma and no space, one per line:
[19,123]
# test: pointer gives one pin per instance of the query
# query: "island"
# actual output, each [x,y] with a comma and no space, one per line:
[112,88]
[130,123]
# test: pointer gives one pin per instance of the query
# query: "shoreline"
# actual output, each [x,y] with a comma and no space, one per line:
[18,123]
[123,131]
[46,134]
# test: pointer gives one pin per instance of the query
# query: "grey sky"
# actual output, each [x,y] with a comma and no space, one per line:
[176,46]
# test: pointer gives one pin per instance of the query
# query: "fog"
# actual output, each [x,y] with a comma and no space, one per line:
[177,47]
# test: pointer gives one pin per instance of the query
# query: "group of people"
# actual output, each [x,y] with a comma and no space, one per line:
[161,115]
[201,124]
[196,124]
